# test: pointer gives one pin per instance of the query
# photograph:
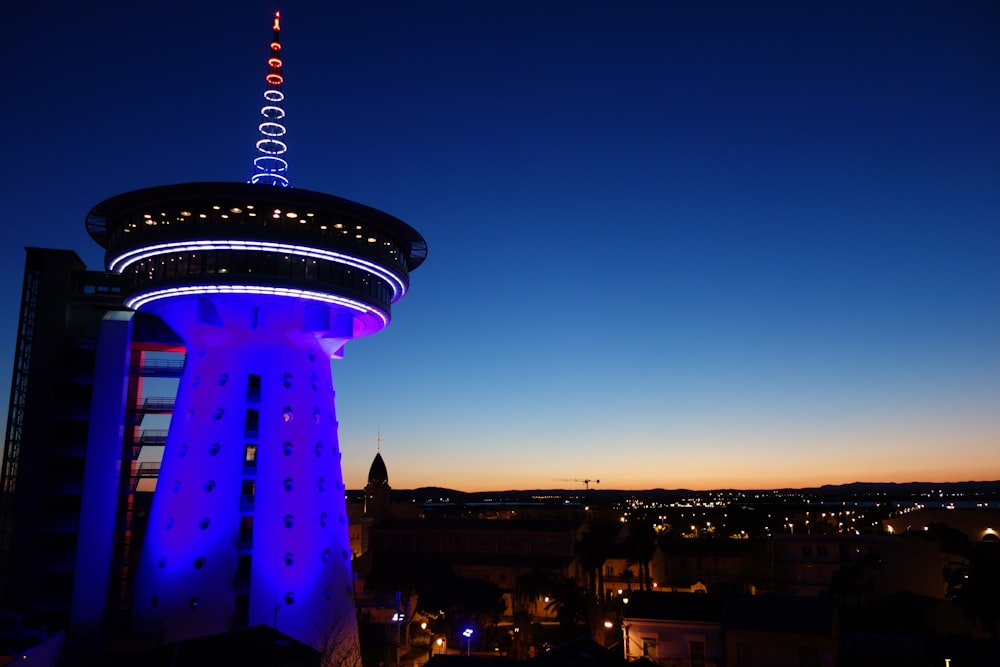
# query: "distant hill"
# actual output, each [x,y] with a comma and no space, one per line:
[887,490]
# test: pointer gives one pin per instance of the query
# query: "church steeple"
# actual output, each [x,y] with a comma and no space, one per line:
[377,473]
[377,490]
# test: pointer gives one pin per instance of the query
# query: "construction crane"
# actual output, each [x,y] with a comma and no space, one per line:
[586,482]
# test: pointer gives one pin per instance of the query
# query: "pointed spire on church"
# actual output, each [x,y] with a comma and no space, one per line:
[270,166]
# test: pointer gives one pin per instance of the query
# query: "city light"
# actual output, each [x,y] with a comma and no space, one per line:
[467,633]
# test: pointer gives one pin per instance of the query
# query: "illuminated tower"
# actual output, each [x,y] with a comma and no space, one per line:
[265,285]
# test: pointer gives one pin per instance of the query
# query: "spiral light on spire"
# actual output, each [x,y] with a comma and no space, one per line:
[270,167]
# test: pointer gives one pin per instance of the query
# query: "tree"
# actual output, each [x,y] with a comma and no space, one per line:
[640,546]
[530,586]
[460,600]
[408,575]
[342,648]
[592,549]
[975,586]
[570,603]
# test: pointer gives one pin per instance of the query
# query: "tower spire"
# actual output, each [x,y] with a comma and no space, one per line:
[270,167]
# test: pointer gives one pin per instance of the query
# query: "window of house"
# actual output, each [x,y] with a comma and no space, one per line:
[252,424]
[253,387]
[697,650]
[649,647]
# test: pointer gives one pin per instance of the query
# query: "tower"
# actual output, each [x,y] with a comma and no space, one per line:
[378,493]
[265,284]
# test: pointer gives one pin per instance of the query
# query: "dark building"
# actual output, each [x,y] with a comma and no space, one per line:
[66,313]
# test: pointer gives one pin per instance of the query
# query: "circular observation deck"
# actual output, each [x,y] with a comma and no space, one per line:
[238,238]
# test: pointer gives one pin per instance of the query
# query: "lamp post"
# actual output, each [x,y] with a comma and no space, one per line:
[467,633]
[625,628]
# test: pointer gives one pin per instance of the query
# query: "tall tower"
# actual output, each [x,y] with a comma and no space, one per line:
[265,284]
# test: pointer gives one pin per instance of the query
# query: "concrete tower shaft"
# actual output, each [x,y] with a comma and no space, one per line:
[248,525]
[264,285]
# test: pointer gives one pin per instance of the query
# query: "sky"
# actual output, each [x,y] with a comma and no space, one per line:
[671,244]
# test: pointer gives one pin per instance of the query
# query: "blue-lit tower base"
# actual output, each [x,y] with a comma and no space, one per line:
[265,285]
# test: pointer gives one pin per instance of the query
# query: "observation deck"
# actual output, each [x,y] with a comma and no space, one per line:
[239,238]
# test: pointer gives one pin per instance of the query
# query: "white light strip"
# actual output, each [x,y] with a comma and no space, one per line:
[272,146]
[121,262]
[271,129]
[274,95]
[139,300]
[281,162]
[272,112]
[269,176]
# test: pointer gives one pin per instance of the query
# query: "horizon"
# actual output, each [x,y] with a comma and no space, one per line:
[670,244]
[685,489]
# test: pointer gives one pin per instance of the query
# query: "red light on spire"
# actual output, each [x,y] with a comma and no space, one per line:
[277,25]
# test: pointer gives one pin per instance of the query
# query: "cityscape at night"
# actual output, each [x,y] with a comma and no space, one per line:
[700,368]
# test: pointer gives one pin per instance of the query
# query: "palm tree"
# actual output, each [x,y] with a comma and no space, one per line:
[570,602]
[593,549]
[640,545]
[530,586]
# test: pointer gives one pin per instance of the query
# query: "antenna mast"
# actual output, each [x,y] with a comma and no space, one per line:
[270,168]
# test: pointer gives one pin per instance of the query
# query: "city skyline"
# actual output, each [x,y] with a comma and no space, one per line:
[672,245]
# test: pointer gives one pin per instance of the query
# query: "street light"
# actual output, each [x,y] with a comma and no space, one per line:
[467,633]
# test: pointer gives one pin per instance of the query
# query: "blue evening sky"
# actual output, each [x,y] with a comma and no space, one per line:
[677,244]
